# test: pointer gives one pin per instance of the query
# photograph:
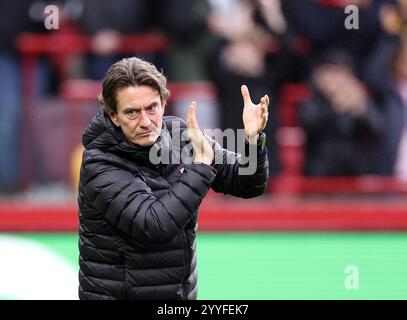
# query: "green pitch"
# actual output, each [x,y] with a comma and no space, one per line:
[286,265]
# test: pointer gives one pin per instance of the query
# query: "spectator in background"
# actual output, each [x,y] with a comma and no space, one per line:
[323,24]
[107,20]
[342,124]
[400,89]
[386,76]
[184,23]
[16,18]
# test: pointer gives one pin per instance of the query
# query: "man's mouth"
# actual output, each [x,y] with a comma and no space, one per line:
[144,134]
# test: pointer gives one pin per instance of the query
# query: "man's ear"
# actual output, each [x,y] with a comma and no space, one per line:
[113,117]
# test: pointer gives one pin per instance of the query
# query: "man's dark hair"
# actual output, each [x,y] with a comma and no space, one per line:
[131,72]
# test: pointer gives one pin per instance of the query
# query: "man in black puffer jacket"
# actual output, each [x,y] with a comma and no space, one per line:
[138,216]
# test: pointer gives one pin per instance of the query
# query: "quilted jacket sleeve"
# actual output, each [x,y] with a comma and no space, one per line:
[128,203]
[234,174]
[233,179]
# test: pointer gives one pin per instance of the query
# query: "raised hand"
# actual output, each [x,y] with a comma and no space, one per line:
[255,116]
[201,146]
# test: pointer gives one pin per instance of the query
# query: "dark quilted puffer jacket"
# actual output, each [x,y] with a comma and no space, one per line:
[138,221]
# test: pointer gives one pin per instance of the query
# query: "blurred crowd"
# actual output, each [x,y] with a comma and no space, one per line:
[354,118]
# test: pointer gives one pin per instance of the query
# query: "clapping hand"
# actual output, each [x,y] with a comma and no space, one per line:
[255,116]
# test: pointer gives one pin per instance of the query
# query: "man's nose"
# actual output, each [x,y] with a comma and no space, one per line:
[144,120]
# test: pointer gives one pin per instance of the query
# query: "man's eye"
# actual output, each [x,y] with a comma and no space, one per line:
[151,109]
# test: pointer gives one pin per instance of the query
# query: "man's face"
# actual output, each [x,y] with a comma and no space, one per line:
[139,114]
[330,78]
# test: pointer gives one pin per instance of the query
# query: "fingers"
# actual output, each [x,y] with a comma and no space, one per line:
[194,133]
[245,94]
[189,116]
[192,123]
[202,148]
[267,100]
[264,103]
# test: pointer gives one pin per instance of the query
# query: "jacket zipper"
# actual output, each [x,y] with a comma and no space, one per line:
[162,169]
